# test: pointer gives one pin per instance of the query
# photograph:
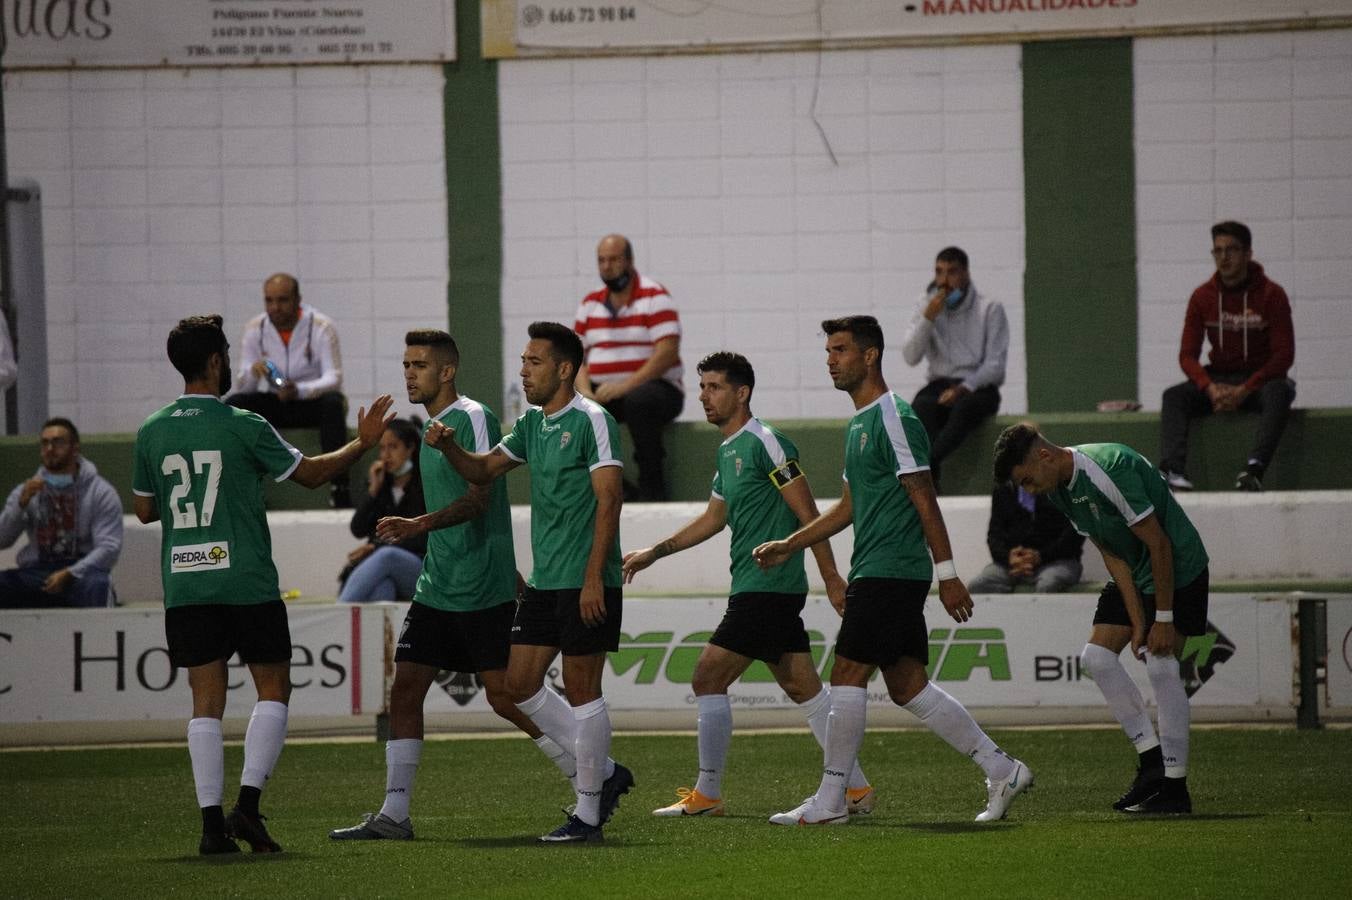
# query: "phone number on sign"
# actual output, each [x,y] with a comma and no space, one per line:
[579,15]
[260,50]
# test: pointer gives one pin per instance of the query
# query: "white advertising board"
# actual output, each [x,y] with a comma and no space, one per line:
[76,33]
[112,665]
[526,27]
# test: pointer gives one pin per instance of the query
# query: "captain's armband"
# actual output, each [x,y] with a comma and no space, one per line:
[786,474]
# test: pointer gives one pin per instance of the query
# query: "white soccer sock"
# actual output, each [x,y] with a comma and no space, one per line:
[817,709]
[558,756]
[1123,697]
[715,736]
[844,736]
[552,715]
[1175,714]
[592,749]
[206,748]
[401,765]
[951,721]
[263,742]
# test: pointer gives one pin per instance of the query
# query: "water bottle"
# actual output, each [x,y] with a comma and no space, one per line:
[513,406]
[275,375]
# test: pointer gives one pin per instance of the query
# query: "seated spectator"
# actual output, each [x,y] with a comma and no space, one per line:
[1246,317]
[290,371]
[73,519]
[1031,542]
[9,367]
[376,570]
[964,336]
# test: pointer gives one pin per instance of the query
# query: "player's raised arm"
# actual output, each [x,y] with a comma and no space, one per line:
[313,471]
[476,468]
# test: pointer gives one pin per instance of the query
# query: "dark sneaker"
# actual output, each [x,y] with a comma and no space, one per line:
[214,842]
[1147,784]
[619,782]
[574,831]
[243,827]
[1171,799]
[1248,482]
[373,827]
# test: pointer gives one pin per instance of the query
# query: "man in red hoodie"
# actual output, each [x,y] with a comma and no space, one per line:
[1246,317]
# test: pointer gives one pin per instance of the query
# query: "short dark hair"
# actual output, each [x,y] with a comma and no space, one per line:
[440,341]
[1011,449]
[1237,230]
[735,367]
[63,422]
[409,432]
[865,329]
[952,255]
[192,342]
[565,344]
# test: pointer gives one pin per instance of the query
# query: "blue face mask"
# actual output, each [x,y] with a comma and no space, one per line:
[954,298]
[57,480]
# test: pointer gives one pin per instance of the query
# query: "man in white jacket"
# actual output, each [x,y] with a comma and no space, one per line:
[291,372]
[965,337]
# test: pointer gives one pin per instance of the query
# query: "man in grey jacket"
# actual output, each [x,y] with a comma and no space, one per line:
[73,519]
[965,337]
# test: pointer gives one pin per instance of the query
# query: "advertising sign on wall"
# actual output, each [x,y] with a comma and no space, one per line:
[534,27]
[75,33]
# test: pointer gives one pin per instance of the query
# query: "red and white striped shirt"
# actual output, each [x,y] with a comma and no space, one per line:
[619,342]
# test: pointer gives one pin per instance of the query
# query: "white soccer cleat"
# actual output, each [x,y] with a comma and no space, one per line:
[808,813]
[1000,794]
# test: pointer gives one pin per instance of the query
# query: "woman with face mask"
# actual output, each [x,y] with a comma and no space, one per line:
[375,570]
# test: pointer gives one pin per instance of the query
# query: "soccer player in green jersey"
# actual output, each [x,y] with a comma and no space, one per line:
[1157,596]
[199,470]
[889,498]
[465,598]
[573,597]
[759,488]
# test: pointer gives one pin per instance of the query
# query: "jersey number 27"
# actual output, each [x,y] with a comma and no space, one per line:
[184,510]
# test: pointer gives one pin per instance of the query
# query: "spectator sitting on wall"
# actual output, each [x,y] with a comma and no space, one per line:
[377,569]
[1031,542]
[73,519]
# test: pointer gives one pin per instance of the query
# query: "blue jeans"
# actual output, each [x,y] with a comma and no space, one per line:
[1051,578]
[22,589]
[389,573]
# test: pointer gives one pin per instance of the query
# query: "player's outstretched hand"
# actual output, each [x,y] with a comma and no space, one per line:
[439,435]
[636,561]
[371,423]
[771,554]
[953,594]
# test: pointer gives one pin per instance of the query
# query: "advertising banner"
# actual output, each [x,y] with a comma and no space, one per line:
[112,665]
[533,27]
[75,33]
[1340,651]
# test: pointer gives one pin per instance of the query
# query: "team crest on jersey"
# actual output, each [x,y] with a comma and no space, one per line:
[738,466]
[565,439]
[199,557]
[863,440]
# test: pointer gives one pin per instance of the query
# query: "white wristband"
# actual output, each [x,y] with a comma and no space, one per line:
[1164,615]
[945,571]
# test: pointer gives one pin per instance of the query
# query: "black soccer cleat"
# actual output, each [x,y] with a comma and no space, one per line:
[574,831]
[1171,799]
[619,782]
[215,843]
[243,827]
[1147,784]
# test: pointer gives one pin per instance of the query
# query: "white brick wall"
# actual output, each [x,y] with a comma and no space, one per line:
[713,166]
[1256,128]
[170,192]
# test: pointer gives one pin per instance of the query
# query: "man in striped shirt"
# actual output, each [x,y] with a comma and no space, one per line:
[631,336]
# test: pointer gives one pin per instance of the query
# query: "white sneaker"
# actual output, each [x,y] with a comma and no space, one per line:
[807,813]
[999,794]
[1176,481]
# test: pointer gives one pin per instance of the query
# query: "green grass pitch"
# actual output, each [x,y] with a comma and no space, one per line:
[1273,819]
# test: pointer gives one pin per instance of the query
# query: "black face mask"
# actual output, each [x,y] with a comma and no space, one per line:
[619,282]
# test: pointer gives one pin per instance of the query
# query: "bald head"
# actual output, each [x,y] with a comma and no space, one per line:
[615,262]
[281,300]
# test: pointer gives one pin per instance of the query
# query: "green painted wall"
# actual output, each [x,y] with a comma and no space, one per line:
[474,210]
[1080,224]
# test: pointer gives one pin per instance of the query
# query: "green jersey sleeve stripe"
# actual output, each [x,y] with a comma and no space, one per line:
[510,455]
[891,420]
[768,440]
[1108,488]
[296,455]
[606,455]
[475,411]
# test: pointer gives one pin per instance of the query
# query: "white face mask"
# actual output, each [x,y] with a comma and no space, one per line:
[404,469]
[58,480]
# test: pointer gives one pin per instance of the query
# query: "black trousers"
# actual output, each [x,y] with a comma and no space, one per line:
[327,412]
[948,426]
[647,410]
[1184,402]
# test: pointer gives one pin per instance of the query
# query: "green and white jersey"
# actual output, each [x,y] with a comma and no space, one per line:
[754,465]
[562,450]
[471,565]
[884,441]
[1113,488]
[204,463]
